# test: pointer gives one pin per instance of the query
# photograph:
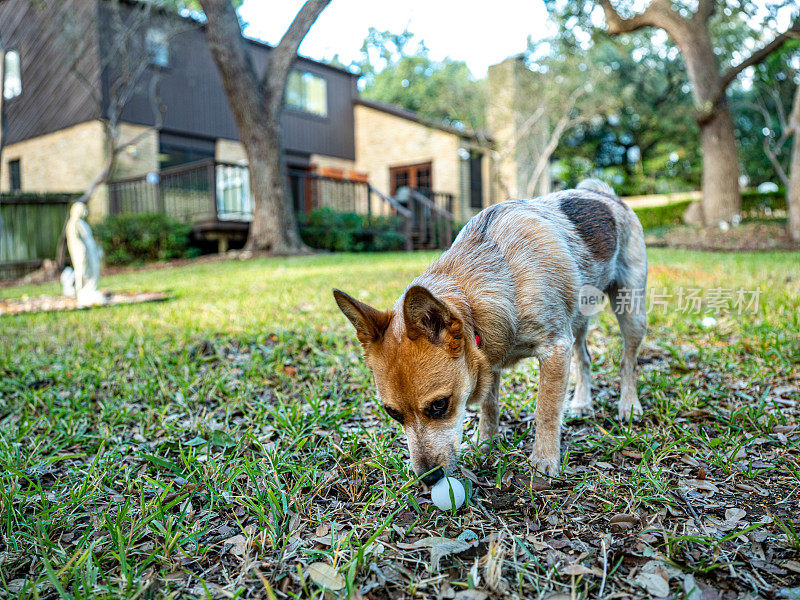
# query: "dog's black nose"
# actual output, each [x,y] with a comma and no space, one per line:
[432,478]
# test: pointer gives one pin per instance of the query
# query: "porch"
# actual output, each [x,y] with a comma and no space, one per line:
[214,197]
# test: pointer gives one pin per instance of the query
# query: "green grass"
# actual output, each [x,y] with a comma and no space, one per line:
[137,442]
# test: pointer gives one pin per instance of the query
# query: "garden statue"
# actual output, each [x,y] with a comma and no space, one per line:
[85,255]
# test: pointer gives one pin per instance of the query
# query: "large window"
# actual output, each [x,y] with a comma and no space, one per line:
[307,92]
[12,75]
[15,178]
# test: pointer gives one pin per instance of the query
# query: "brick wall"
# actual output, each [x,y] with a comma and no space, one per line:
[139,158]
[230,151]
[385,140]
[64,161]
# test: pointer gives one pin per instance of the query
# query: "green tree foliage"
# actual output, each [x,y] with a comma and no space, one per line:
[761,111]
[397,69]
[648,143]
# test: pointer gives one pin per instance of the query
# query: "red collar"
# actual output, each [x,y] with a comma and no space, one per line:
[477,340]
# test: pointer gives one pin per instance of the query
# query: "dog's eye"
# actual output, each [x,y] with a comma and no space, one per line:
[396,415]
[438,408]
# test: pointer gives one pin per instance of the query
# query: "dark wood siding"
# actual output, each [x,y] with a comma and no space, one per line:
[50,36]
[191,91]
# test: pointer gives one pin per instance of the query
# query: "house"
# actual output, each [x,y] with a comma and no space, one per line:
[63,64]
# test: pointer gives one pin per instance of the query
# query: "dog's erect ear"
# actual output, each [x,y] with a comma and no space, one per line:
[428,317]
[370,323]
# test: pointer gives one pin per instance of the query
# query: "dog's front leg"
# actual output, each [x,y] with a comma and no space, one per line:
[489,417]
[553,379]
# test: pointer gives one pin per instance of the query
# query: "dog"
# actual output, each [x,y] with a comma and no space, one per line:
[509,287]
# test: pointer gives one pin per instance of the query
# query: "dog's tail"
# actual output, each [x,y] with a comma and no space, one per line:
[595,185]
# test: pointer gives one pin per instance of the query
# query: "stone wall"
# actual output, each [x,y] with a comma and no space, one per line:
[230,151]
[138,158]
[64,161]
[384,140]
[519,134]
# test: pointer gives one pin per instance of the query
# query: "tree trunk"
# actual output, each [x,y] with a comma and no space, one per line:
[257,104]
[793,193]
[721,196]
[274,227]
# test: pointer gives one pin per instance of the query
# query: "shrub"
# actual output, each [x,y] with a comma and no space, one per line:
[755,203]
[137,238]
[662,216]
[329,229]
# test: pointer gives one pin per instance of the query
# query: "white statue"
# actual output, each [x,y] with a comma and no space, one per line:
[85,255]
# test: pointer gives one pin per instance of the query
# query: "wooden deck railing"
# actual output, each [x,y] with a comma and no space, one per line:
[208,191]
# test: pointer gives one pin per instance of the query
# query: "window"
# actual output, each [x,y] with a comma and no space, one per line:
[475,180]
[413,176]
[157,47]
[174,150]
[307,92]
[12,75]
[14,175]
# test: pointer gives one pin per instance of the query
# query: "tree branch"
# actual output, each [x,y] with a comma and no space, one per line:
[283,55]
[229,48]
[758,55]
[705,10]
[733,72]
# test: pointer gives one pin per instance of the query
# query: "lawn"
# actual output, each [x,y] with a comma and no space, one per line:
[226,443]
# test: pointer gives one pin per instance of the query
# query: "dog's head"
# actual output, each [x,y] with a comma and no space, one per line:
[425,372]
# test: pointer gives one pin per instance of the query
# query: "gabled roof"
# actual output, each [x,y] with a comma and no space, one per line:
[404,113]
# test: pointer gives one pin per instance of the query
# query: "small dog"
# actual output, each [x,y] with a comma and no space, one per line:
[509,287]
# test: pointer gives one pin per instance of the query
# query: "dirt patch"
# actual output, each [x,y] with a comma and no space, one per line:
[18,306]
[744,237]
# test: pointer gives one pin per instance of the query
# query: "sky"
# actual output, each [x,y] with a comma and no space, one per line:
[479,32]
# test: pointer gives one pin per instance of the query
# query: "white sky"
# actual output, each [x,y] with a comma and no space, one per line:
[479,32]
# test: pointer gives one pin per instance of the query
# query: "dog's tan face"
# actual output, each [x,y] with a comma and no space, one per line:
[421,371]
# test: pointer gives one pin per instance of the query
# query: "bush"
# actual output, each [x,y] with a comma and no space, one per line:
[138,238]
[328,229]
[755,203]
[662,216]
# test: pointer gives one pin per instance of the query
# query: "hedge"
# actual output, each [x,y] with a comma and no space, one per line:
[139,238]
[662,216]
[329,229]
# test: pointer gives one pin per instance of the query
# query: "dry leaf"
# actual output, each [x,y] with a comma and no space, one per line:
[655,584]
[471,595]
[734,515]
[702,484]
[238,545]
[622,521]
[325,576]
[441,546]
[579,569]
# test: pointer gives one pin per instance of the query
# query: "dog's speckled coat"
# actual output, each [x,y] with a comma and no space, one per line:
[513,277]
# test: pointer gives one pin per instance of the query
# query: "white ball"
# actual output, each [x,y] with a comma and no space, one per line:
[440,493]
[708,322]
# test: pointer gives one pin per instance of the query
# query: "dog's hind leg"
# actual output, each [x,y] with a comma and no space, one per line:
[581,403]
[628,298]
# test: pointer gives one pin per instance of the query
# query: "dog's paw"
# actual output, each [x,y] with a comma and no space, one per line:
[580,410]
[546,464]
[631,410]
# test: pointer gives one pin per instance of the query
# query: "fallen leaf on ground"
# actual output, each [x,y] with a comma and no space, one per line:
[441,546]
[622,521]
[325,576]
